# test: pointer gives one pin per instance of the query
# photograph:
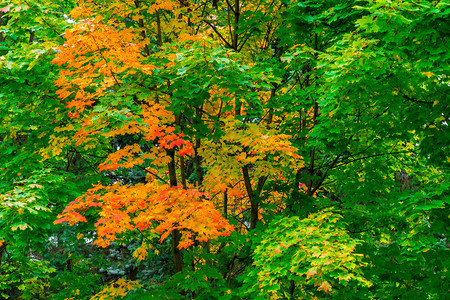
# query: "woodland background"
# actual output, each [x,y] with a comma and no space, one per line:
[224,149]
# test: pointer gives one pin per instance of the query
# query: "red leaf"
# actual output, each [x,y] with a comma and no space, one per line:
[59,221]
[178,142]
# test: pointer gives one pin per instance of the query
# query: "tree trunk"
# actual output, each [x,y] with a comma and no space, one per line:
[177,258]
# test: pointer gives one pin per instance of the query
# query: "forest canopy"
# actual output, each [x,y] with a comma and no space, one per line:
[224,149]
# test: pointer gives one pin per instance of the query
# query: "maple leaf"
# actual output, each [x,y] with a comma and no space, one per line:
[141,253]
[6,8]
[173,207]
[325,286]
[84,54]
[311,272]
[178,142]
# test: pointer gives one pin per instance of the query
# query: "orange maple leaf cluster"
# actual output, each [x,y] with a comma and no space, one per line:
[97,57]
[160,208]
[151,123]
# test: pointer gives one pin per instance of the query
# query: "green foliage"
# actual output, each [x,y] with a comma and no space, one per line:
[28,279]
[304,253]
[317,129]
[79,282]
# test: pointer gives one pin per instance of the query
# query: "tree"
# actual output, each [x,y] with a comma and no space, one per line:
[270,149]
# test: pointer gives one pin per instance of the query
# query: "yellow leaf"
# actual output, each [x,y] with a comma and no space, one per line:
[21,227]
[64,128]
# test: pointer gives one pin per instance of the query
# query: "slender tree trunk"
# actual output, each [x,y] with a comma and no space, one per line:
[198,158]
[158,25]
[237,107]
[311,188]
[176,253]
[177,258]
[141,25]
[178,122]
[253,195]
[2,251]
[237,12]
[292,289]
[253,203]
[225,204]
[31,39]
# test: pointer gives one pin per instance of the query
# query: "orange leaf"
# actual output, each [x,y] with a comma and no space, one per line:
[325,286]
[311,272]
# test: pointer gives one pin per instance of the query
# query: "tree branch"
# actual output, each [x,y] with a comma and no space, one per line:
[218,33]
[369,156]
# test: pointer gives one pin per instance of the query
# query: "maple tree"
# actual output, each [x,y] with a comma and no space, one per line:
[224,149]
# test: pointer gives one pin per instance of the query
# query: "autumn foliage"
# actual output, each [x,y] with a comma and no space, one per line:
[224,149]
